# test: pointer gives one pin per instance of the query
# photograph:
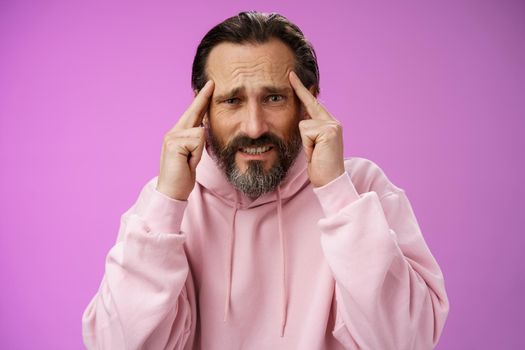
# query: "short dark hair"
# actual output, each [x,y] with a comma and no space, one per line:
[257,27]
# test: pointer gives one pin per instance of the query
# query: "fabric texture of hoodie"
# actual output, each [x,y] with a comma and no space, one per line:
[342,266]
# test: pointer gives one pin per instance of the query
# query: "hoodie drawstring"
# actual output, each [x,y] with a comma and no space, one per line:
[284,296]
[229,265]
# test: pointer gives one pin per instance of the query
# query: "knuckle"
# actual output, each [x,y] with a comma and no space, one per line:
[303,124]
[170,144]
[333,129]
[338,127]
[168,136]
[167,139]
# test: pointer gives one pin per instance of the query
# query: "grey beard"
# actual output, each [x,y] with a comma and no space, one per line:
[255,181]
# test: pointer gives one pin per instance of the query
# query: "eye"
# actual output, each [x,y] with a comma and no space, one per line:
[275,98]
[232,101]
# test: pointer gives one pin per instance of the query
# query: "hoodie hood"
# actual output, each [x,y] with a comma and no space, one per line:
[211,176]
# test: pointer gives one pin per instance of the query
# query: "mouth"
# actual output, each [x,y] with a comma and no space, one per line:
[256,150]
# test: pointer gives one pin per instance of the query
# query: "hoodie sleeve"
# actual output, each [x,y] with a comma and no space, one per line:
[390,291]
[145,300]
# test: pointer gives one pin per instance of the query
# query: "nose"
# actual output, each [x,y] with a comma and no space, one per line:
[254,123]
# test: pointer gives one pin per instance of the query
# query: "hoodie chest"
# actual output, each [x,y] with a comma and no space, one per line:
[255,236]
[245,257]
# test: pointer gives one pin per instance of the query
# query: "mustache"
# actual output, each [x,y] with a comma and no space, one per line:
[241,141]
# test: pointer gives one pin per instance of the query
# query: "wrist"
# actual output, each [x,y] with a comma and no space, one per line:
[172,194]
[328,177]
[160,212]
[337,194]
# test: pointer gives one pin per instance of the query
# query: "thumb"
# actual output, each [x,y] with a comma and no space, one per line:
[195,158]
[308,146]
[196,154]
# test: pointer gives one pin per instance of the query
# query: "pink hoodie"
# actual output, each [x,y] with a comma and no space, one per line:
[343,266]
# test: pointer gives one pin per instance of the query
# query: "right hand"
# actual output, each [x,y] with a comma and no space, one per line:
[182,148]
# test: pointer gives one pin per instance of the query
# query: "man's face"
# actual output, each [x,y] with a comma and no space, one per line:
[252,121]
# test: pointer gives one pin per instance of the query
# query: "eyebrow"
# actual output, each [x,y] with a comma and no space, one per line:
[269,89]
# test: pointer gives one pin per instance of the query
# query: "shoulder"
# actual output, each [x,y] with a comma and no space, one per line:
[367,176]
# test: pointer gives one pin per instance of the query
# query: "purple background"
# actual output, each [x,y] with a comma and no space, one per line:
[433,92]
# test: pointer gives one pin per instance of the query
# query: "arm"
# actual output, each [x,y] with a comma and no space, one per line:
[390,291]
[145,300]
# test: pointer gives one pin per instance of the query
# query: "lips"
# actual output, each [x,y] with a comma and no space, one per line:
[255,150]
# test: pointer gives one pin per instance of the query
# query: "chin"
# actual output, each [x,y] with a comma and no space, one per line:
[244,165]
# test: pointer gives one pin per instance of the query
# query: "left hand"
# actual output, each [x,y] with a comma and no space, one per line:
[322,137]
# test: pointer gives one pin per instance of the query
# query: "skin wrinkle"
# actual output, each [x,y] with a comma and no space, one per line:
[263,64]
[241,68]
[251,67]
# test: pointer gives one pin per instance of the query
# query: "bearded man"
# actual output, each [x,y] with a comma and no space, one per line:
[258,233]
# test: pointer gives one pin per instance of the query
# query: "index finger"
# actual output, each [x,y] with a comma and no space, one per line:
[192,117]
[312,105]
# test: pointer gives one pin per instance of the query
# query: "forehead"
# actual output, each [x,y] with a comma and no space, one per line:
[249,66]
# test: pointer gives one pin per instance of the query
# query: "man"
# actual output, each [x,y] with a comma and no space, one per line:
[257,233]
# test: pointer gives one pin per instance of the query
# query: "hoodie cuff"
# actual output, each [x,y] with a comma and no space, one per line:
[336,194]
[160,212]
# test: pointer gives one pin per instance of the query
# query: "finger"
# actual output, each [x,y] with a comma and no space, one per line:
[192,117]
[308,139]
[191,132]
[188,148]
[312,105]
[196,154]
[176,137]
